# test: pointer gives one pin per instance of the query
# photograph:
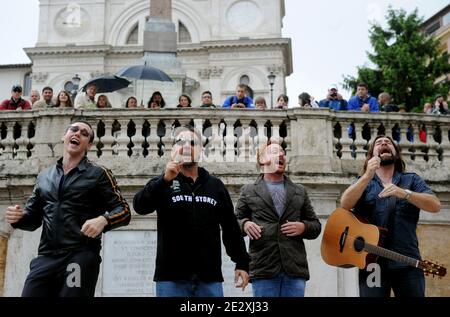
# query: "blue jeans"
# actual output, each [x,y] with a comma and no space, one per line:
[188,289]
[405,282]
[282,285]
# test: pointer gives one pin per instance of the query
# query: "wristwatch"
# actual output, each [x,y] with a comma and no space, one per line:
[408,194]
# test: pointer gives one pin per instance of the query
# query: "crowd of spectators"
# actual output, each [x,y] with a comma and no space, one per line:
[362,101]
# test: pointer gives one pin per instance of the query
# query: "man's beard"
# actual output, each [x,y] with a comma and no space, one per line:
[188,164]
[388,161]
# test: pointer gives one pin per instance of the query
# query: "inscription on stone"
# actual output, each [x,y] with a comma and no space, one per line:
[129,265]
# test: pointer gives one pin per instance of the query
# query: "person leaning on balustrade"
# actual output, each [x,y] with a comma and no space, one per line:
[87,100]
[184,101]
[103,102]
[363,101]
[131,102]
[47,99]
[207,100]
[15,102]
[260,103]
[156,101]
[63,100]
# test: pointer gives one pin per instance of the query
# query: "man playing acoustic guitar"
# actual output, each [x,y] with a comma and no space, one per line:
[389,197]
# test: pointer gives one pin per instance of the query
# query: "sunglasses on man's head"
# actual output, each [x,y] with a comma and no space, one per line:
[182,142]
[84,132]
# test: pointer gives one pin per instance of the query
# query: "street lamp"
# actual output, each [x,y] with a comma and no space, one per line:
[271,78]
[75,85]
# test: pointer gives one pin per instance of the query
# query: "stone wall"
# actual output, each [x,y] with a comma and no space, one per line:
[3,252]
[135,145]
[434,241]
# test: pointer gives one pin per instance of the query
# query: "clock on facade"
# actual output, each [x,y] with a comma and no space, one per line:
[72,20]
[244,16]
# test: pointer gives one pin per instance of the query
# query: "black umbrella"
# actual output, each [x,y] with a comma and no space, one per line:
[107,83]
[144,72]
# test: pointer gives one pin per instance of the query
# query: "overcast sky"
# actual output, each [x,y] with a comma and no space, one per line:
[329,37]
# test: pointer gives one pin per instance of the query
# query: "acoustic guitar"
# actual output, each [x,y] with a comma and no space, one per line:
[347,242]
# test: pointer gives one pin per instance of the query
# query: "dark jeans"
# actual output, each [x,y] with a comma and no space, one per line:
[70,274]
[188,289]
[281,285]
[405,282]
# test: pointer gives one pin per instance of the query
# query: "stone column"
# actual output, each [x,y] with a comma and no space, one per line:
[311,143]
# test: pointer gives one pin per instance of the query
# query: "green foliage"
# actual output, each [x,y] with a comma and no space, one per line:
[406,63]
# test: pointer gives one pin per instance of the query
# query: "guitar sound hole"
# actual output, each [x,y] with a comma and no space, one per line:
[359,244]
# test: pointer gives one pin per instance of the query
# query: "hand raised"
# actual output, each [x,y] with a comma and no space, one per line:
[173,167]
[372,165]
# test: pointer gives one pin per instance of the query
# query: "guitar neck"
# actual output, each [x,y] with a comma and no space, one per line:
[391,255]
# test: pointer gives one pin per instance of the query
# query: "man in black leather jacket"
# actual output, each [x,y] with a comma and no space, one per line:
[74,201]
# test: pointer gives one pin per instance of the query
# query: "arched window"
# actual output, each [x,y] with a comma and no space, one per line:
[134,35]
[68,86]
[245,80]
[27,84]
[183,34]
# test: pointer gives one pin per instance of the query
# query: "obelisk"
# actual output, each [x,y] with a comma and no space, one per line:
[160,50]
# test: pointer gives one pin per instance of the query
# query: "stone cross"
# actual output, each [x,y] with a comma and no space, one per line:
[161,9]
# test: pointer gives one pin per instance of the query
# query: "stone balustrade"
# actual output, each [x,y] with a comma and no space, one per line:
[324,154]
[228,135]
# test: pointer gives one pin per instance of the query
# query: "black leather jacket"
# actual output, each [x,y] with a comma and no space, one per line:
[63,203]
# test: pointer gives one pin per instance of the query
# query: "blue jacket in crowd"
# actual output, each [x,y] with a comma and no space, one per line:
[355,103]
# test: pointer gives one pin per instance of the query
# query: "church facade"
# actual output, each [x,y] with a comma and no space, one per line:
[220,44]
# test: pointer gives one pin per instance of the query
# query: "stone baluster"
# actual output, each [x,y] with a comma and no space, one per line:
[276,129]
[262,134]
[244,142]
[153,138]
[359,141]
[93,150]
[108,139]
[229,141]
[22,142]
[346,141]
[138,139]
[287,139]
[445,145]
[416,145]
[216,149]
[403,143]
[433,147]
[122,138]
[8,142]
[168,139]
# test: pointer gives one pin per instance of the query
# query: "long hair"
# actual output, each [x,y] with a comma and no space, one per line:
[68,102]
[399,164]
[161,104]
